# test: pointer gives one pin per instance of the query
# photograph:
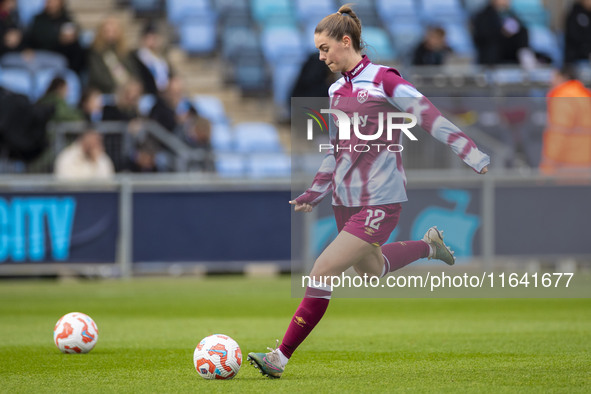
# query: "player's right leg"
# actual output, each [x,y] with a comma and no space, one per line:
[396,255]
[344,252]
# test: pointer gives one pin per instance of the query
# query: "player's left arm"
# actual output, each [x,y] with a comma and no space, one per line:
[406,97]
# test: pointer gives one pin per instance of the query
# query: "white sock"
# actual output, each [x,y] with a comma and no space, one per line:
[431,251]
[282,358]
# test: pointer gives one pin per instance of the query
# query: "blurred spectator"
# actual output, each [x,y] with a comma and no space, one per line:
[172,109]
[109,62]
[154,70]
[22,126]
[433,50]
[197,134]
[91,105]
[314,79]
[143,158]
[11,37]
[127,102]
[499,35]
[125,109]
[567,138]
[578,32]
[56,96]
[54,30]
[84,159]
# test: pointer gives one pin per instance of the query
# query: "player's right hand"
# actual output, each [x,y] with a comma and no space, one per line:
[301,207]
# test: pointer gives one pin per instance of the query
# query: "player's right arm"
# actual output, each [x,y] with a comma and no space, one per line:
[321,186]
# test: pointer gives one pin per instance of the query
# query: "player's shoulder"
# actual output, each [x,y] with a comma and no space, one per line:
[394,83]
[388,73]
[339,83]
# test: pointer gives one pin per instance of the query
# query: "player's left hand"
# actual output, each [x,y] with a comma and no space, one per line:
[484,170]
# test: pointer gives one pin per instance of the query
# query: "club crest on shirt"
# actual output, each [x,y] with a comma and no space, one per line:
[362,96]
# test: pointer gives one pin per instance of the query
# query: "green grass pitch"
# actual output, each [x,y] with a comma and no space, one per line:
[150,327]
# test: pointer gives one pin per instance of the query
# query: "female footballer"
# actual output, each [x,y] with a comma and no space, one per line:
[367,186]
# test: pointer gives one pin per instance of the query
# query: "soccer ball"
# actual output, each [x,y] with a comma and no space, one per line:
[217,357]
[75,333]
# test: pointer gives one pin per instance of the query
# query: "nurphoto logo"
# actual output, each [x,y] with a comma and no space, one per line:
[343,122]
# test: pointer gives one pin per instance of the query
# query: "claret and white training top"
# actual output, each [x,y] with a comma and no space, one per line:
[366,176]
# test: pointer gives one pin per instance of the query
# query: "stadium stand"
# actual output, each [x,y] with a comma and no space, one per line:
[240,58]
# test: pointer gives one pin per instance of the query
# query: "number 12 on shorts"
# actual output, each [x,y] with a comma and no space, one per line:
[374,217]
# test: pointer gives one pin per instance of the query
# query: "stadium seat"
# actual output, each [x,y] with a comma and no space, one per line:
[474,6]
[18,81]
[147,6]
[232,7]
[442,11]
[527,5]
[43,78]
[27,9]
[178,10]
[307,10]
[255,137]
[379,47]
[211,108]
[230,165]
[198,35]
[146,104]
[268,165]
[39,60]
[365,10]
[281,42]
[543,40]
[396,10]
[264,10]
[222,138]
[250,73]
[284,77]
[531,12]
[238,40]
[459,39]
[406,37]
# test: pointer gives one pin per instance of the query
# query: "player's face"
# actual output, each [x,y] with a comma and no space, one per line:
[332,52]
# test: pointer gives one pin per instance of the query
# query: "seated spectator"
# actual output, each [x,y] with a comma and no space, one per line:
[314,79]
[499,34]
[433,50]
[56,96]
[109,63]
[143,157]
[11,37]
[197,134]
[172,109]
[91,105]
[567,138]
[84,159]
[54,30]
[154,70]
[578,33]
[127,102]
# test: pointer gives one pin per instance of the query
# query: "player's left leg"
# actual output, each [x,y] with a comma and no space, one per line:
[345,251]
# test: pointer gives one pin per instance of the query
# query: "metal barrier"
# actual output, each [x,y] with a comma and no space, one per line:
[118,140]
[519,215]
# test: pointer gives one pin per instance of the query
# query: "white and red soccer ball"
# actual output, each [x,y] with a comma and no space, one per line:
[75,333]
[217,357]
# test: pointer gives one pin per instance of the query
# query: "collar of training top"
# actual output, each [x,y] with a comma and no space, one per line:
[349,75]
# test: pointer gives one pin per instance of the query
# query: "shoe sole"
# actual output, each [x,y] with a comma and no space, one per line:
[440,240]
[255,364]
